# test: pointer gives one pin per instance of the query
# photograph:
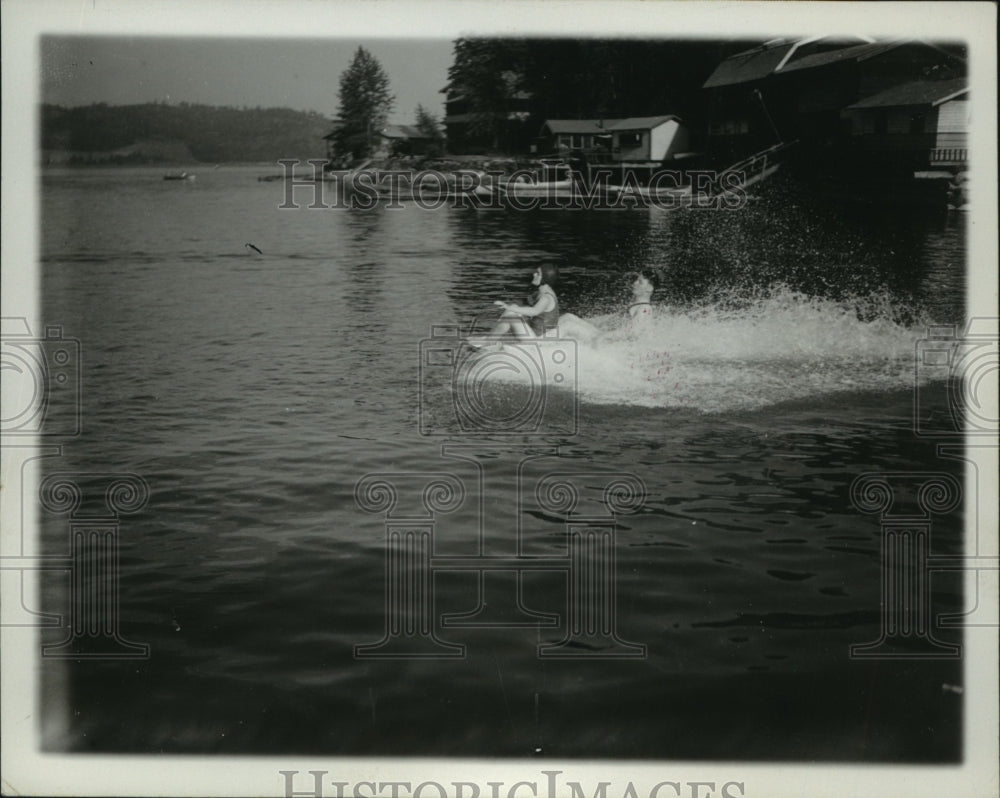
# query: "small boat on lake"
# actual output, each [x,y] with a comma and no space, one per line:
[178,176]
[524,184]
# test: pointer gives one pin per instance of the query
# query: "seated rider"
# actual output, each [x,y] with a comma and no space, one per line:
[640,311]
[538,319]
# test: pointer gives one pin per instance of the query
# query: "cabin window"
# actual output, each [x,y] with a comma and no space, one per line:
[881,123]
[917,123]
[630,140]
[577,142]
[564,141]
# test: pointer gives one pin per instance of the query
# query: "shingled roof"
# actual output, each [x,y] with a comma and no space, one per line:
[578,126]
[860,52]
[598,126]
[642,122]
[783,55]
[918,92]
[750,64]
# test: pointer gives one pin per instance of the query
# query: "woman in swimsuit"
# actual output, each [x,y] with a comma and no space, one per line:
[640,311]
[538,319]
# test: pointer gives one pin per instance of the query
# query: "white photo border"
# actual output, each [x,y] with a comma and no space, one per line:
[28,771]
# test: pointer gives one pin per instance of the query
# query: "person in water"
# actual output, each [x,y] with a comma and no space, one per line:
[640,311]
[539,318]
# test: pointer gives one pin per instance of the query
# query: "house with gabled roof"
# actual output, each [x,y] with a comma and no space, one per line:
[747,108]
[642,139]
[928,119]
[795,90]
[764,60]
[648,138]
[407,140]
[585,135]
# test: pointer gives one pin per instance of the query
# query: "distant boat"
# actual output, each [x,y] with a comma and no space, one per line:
[178,176]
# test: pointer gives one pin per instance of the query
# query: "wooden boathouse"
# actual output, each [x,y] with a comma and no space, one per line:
[787,89]
[922,127]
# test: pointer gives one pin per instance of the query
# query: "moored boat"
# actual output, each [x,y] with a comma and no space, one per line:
[524,184]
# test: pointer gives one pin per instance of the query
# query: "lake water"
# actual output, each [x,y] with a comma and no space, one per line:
[253,391]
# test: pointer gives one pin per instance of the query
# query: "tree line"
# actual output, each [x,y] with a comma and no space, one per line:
[510,86]
[211,134]
[579,79]
[365,105]
[561,78]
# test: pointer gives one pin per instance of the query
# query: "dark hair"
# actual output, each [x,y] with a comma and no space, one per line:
[653,275]
[550,274]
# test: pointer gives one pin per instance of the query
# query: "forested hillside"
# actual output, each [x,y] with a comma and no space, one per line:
[160,133]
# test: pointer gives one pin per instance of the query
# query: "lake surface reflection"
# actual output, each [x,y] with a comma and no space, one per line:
[253,391]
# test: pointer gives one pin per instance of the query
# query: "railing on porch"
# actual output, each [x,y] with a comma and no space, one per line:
[949,155]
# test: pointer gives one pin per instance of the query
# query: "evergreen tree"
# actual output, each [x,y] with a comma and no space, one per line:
[488,73]
[576,78]
[428,124]
[365,103]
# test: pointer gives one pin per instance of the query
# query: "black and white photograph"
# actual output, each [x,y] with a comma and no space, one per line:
[491,400]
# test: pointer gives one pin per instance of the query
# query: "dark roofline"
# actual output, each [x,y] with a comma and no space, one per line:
[584,127]
[644,122]
[917,93]
[862,52]
[859,52]
[760,48]
[748,66]
[758,63]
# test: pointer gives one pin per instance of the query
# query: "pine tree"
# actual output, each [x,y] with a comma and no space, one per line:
[488,74]
[365,104]
[428,124]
